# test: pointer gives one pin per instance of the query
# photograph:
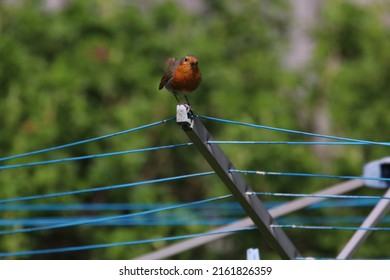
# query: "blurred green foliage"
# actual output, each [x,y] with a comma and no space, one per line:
[93,68]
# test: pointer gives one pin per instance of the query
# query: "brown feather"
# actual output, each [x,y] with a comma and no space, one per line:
[172,62]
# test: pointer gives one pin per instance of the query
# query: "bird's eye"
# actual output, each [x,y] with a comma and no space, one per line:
[185,59]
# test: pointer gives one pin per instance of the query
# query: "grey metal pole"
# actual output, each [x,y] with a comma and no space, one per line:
[279,211]
[255,209]
[360,236]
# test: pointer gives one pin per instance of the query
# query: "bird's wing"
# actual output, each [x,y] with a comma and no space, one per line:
[172,62]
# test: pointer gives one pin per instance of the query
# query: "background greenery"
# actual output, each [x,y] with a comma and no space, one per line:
[93,68]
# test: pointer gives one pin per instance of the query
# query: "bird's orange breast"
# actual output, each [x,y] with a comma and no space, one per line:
[185,79]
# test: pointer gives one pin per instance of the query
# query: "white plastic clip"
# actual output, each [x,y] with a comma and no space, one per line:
[377,169]
[252,254]
[183,114]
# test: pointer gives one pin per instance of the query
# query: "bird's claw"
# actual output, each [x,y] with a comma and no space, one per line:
[189,110]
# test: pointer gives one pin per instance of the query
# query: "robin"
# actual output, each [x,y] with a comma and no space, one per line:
[182,76]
